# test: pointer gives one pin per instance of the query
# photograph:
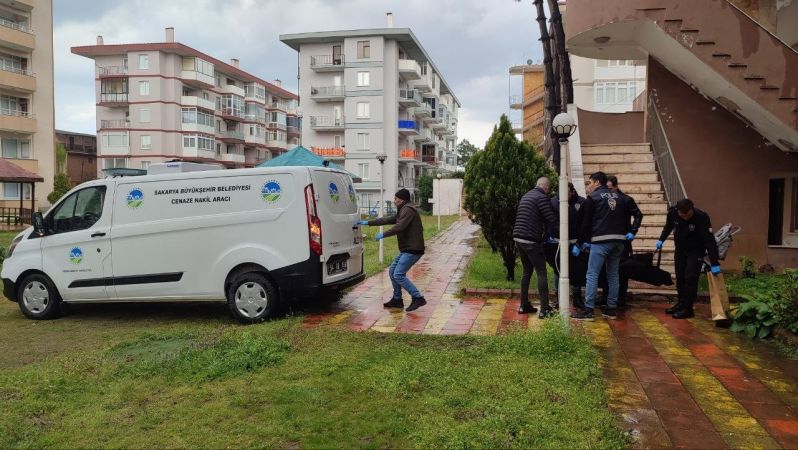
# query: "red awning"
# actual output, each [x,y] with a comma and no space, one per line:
[12,173]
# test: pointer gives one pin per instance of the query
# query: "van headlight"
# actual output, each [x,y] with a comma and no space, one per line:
[13,246]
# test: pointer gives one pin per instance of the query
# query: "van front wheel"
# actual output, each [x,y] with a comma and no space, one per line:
[252,297]
[38,298]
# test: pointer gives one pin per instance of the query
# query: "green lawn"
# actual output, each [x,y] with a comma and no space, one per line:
[6,237]
[390,248]
[486,271]
[184,376]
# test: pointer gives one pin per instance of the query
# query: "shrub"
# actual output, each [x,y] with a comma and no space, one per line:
[424,184]
[748,266]
[61,186]
[771,302]
[754,318]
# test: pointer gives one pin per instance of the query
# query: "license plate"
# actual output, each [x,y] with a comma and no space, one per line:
[336,267]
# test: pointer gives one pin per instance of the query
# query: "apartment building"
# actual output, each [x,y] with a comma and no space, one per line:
[26,100]
[164,101]
[81,160]
[531,102]
[376,91]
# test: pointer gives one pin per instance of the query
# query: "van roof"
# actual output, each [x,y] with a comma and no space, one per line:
[225,173]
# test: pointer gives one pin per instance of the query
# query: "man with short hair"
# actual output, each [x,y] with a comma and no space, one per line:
[534,224]
[605,230]
[410,233]
[692,234]
[637,220]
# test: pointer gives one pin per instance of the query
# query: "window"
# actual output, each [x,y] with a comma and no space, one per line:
[338,141]
[13,106]
[363,171]
[144,88]
[363,49]
[146,142]
[110,140]
[199,142]
[145,165]
[11,63]
[363,110]
[79,211]
[144,115]
[613,63]
[144,62]
[363,79]
[11,191]
[615,93]
[423,68]
[193,115]
[363,141]
[112,163]
[16,149]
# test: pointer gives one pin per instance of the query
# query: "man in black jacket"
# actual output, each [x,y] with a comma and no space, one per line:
[574,226]
[692,234]
[605,230]
[534,224]
[409,230]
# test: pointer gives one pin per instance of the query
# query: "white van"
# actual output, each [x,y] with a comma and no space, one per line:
[250,237]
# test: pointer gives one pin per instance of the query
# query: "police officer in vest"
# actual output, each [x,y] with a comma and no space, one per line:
[574,226]
[692,234]
[605,230]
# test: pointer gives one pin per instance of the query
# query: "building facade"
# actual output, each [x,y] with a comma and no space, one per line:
[371,92]
[164,101]
[81,158]
[27,116]
[531,102]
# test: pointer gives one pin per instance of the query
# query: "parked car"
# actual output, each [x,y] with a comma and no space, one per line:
[254,238]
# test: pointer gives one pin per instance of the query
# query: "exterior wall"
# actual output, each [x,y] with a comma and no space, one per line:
[81,149]
[725,166]
[43,98]
[604,128]
[587,75]
[534,84]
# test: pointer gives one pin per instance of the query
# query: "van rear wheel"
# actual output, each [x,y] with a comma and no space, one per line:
[252,297]
[38,298]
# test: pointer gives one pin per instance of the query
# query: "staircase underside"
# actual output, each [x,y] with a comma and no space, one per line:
[638,39]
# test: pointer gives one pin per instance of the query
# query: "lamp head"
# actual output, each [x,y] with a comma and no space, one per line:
[382,157]
[563,126]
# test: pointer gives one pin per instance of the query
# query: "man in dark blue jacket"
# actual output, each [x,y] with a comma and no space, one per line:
[534,224]
[605,229]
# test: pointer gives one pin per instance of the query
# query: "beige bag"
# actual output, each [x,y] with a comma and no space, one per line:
[718,297]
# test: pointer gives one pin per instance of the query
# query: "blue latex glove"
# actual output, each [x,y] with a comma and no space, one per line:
[379,236]
[362,222]
[715,270]
[586,246]
[630,236]
[659,245]
[575,250]
[552,240]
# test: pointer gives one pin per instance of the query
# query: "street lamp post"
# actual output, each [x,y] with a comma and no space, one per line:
[563,126]
[381,158]
[438,197]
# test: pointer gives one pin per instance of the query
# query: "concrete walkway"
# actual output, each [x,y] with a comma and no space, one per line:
[683,384]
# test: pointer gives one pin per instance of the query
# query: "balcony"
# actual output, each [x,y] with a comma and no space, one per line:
[231,136]
[409,97]
[424,111]
[424,135]
[409,69]
[293,131]
[409,155]
[199,102]
[429,159]
[255,118]
[228,113]
[194,127]
[327,93]
[255,139]
[281,106]
[327,123]
[17,121]
[327,63]
[408,127]
[112,72]
[16,79]
[423,84]
[16,35]
[197,79]
[194,152]
[118,124]
[278,143]
[277,126]
[330,152]
[516,101]
[115,99]
[232,89]
[233,158]
[25,5]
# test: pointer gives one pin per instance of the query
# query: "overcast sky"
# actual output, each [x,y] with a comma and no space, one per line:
[473,42]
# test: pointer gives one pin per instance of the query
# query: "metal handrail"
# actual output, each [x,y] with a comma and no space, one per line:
[114,97]
[327,60]
[327,91]
[12,69]
[119,123]
[663,156]
[14,112]
[14,25]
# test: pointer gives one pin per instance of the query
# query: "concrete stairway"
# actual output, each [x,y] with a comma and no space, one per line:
[633,164]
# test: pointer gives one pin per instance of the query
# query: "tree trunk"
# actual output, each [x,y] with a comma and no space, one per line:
[552,102]
[564,60]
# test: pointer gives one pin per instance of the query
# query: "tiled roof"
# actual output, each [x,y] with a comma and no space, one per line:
[10,172]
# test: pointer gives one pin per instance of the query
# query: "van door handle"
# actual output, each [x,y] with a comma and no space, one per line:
[98,234]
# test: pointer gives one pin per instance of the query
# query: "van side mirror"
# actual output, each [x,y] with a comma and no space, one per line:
[39,224]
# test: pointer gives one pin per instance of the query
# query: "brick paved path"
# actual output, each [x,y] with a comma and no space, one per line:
[671,383]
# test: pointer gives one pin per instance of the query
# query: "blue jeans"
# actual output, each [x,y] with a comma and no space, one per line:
[398,273]
[608,253]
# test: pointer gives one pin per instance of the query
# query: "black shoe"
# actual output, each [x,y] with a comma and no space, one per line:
[545,313]
[683,314]
[527,308]
[578,303]
[676,307]
[609,313]
[417,302]
[585,314]
[394,303]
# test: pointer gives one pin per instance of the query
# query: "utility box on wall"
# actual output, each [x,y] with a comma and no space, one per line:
[448,195]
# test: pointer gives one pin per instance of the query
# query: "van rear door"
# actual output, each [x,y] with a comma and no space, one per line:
[342,244]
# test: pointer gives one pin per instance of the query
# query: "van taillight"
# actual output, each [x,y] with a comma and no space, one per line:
[314,223]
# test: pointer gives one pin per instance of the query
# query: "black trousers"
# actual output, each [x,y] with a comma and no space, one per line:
[576,288]
[688,269]
[533,258]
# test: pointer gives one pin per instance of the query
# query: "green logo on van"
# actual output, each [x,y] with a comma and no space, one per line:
[76,255]
[135,198]
[270,192]
[352,197]
[334,195]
